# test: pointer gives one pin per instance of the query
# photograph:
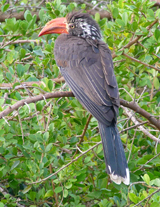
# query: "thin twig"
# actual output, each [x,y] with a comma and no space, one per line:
[49,117]
[85,128]
[134,126]
[20,122]
[62,168]
[141,94]
[138,61]
[131,145]
[146,163]
[132,42]
[53,187]
[129,113]
[147,197]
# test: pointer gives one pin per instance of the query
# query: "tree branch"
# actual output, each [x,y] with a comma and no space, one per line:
[17,15]
[147,197]
[102,13]
[132,42]
[138,61]
[146,132]
[132,105]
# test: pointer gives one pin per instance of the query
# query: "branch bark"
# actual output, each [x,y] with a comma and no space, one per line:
[132,105]
[146,132]
[138,61]
[20,15]
[102,13]
[16,15]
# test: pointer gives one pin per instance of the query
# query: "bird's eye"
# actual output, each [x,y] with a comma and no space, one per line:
[71,26]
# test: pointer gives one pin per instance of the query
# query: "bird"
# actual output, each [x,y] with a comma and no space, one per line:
[86,64]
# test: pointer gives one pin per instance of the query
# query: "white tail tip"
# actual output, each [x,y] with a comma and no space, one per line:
[118,179]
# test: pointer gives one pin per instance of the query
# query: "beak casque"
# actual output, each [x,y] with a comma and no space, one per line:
[57,26]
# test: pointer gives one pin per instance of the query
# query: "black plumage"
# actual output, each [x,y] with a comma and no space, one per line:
[85,61]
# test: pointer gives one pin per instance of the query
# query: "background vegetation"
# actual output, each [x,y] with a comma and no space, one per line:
[50,149]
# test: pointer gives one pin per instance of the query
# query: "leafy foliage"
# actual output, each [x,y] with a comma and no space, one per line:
[40,138]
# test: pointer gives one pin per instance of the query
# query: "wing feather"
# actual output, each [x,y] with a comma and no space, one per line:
[90,75]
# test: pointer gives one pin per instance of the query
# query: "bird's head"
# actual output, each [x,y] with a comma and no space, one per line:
[76,24]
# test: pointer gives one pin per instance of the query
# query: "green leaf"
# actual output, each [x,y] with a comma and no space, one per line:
[125,18]
[120,22]
[4,7]
[115,13]
[28,16]
[38,52]
[154,204]
[31,23]
[65,193]
[51,127]
[83,6]
[41,14]
[58,189]
[48,148]
[150,12]
[26,189]
[146,178]
[22,53]
[39,106]
[23,27]
[97,17]
[155,182]
[10,24]
[156,83]
[9,76]
[2,101]
[2,139]
[46,136]
[20,70]
[2,131]
[10,57]
[68,185]
[1,204]
[158,13]
[87,159]
[134,26]
[50,85]
[49,194]
[157,34]
[7,196]
[133,197]
[18,96]
[15,164]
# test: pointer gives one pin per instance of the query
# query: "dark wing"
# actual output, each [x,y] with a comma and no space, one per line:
[89,74]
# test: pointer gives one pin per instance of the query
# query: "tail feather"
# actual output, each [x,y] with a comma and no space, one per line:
[115,159]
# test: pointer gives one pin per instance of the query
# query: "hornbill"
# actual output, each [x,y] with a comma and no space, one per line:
[85,61]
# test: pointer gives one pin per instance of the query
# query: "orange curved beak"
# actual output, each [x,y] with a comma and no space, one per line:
[57,26]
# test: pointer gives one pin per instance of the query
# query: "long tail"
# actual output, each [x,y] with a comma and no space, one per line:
[115,159]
